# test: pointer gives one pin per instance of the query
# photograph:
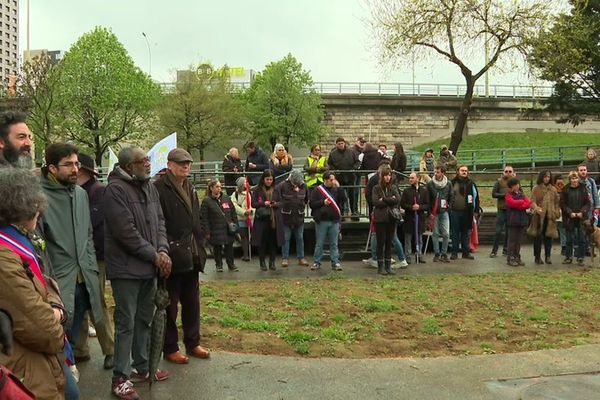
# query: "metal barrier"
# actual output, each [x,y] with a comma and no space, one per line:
[412,89]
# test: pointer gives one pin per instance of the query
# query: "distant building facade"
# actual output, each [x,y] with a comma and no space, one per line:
[55,55]
[9,40]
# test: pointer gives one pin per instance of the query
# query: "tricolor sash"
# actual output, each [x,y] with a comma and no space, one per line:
[29,258]
[326,194]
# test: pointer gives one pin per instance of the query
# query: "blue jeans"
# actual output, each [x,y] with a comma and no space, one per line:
[441,228]
[575,241]
[298,232]
[331,230]
[460,233]
[500,230]
[71,388]
[395,242]
[82,304]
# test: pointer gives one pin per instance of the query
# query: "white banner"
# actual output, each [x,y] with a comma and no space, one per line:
[112,160]
[158,153]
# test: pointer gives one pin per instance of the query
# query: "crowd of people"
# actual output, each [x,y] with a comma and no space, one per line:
[64,234]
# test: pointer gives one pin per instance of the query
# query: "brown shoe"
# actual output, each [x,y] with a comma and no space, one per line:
[177,358]
[303,262]
[199,352]
[284,263]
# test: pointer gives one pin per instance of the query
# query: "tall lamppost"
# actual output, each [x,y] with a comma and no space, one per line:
[149,54]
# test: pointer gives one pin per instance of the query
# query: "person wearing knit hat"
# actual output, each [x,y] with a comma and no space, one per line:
[292,196]
[245,214]
[447,159]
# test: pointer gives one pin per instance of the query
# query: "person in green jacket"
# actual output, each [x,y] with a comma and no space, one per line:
[68,230]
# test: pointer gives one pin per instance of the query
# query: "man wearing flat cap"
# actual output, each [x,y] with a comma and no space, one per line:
[181,209]
[447,159]
[87,178]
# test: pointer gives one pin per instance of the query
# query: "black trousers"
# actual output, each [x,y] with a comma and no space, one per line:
[218,253]
[184,289]
[269,243]
[385,235]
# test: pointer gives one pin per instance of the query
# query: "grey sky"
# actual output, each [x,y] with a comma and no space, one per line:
[327,36]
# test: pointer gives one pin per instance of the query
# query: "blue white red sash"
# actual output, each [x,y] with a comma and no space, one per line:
[326,194]
[28,258]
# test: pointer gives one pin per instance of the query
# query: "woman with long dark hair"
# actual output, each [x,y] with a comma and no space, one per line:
[264,233]
[546,210]
[385,198]
[399,161]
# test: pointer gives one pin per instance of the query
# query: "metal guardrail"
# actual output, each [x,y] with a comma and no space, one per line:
[413,89]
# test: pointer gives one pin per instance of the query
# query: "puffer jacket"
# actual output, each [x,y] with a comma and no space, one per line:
[215,215]
[38,336]
[134,227]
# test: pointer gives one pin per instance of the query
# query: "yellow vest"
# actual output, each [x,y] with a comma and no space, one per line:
[316,178]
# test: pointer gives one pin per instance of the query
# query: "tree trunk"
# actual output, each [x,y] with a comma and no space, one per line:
[465,109]
[98,150]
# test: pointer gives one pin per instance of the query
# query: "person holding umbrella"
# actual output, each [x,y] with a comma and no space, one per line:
[415,202]
[181,210]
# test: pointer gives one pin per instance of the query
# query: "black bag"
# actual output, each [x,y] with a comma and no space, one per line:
[180,252]
[262,214]
[233,228]
[396,213]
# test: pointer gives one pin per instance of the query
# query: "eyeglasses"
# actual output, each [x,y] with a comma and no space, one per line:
[73,164]
[142,161]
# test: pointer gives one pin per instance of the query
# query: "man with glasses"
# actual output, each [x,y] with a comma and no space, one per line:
[135,252]
[500,189]
[68,231]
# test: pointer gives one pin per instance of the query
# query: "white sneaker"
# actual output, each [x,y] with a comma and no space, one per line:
[75,372]
[370,262]
[403,264]
[92,331]
[393,261]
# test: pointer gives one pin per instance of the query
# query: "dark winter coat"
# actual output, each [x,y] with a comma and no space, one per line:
[95,190]
[516,206]
[440,194]
[371,159]
[468,188]
[292,204]
[410,196]
[182,224]
[259,226]
[574,200]
[215,216]
[234,166]
[322,212]
[383,201]
[134,227]
[342,161]
[261,160]
[499,191]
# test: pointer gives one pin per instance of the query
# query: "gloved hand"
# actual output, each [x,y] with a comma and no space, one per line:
[6,336]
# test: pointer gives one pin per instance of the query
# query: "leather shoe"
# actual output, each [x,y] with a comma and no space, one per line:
[199,352]
[177,358]
[109,361]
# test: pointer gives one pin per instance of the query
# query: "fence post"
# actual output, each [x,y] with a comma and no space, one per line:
[474,160]
[532,158]
[503,157]
[561,156]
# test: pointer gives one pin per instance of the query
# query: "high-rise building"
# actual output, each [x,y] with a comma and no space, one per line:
[54,55]
[9,40]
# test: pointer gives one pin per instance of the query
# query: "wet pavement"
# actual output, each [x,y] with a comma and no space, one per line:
[568,374]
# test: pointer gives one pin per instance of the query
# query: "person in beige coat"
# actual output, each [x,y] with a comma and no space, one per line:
[546,210]
[245,213]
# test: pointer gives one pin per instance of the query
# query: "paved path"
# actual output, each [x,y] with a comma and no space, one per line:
[570,374]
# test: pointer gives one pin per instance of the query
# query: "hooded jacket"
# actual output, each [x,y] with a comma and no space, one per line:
[69,238]
[134,227]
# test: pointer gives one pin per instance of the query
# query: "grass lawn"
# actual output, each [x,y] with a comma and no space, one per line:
[506,140]
[399,317]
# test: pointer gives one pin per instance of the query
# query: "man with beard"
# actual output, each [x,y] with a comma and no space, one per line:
[440,192]
[135,251]
[68,231]
[464,205]
[15,140]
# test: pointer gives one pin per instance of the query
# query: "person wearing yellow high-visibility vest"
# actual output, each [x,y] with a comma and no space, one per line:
[314,167]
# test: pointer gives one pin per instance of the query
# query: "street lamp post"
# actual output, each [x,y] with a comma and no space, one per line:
[149,54]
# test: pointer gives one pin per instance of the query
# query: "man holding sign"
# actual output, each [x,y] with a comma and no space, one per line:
[325,203]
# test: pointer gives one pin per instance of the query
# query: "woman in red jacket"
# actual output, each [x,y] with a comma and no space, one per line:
[516,220]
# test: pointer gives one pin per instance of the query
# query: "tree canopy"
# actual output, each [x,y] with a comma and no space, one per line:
[203,109]
[569,55]
[282,107]
[103,98]
[458,31]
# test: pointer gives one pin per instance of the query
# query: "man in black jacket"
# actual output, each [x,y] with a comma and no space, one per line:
[344,159]
[415,202]
[181,209]
[87,178]
[464,206]
[256,162]
[498,192]
[326,203]
[136,251]
[232,165]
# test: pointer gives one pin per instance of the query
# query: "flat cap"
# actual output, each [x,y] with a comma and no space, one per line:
[179,155]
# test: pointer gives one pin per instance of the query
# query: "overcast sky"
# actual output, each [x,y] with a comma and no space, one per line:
[329,37]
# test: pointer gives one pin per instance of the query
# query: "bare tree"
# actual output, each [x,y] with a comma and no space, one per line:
[458,31]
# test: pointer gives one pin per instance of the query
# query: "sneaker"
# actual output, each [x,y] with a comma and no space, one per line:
[315,266]
[493,254]
[284,263]
[580,261]
[159,375]
[393,261]
[468,256]
[219,268]
[370,262]
[548,260]
[92,331]
[568,260]
[233,268]
[337,267]
[302,262]
[436,258]
[454,256]
[402,264]
[122,388]
[444,258]
[512,263]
